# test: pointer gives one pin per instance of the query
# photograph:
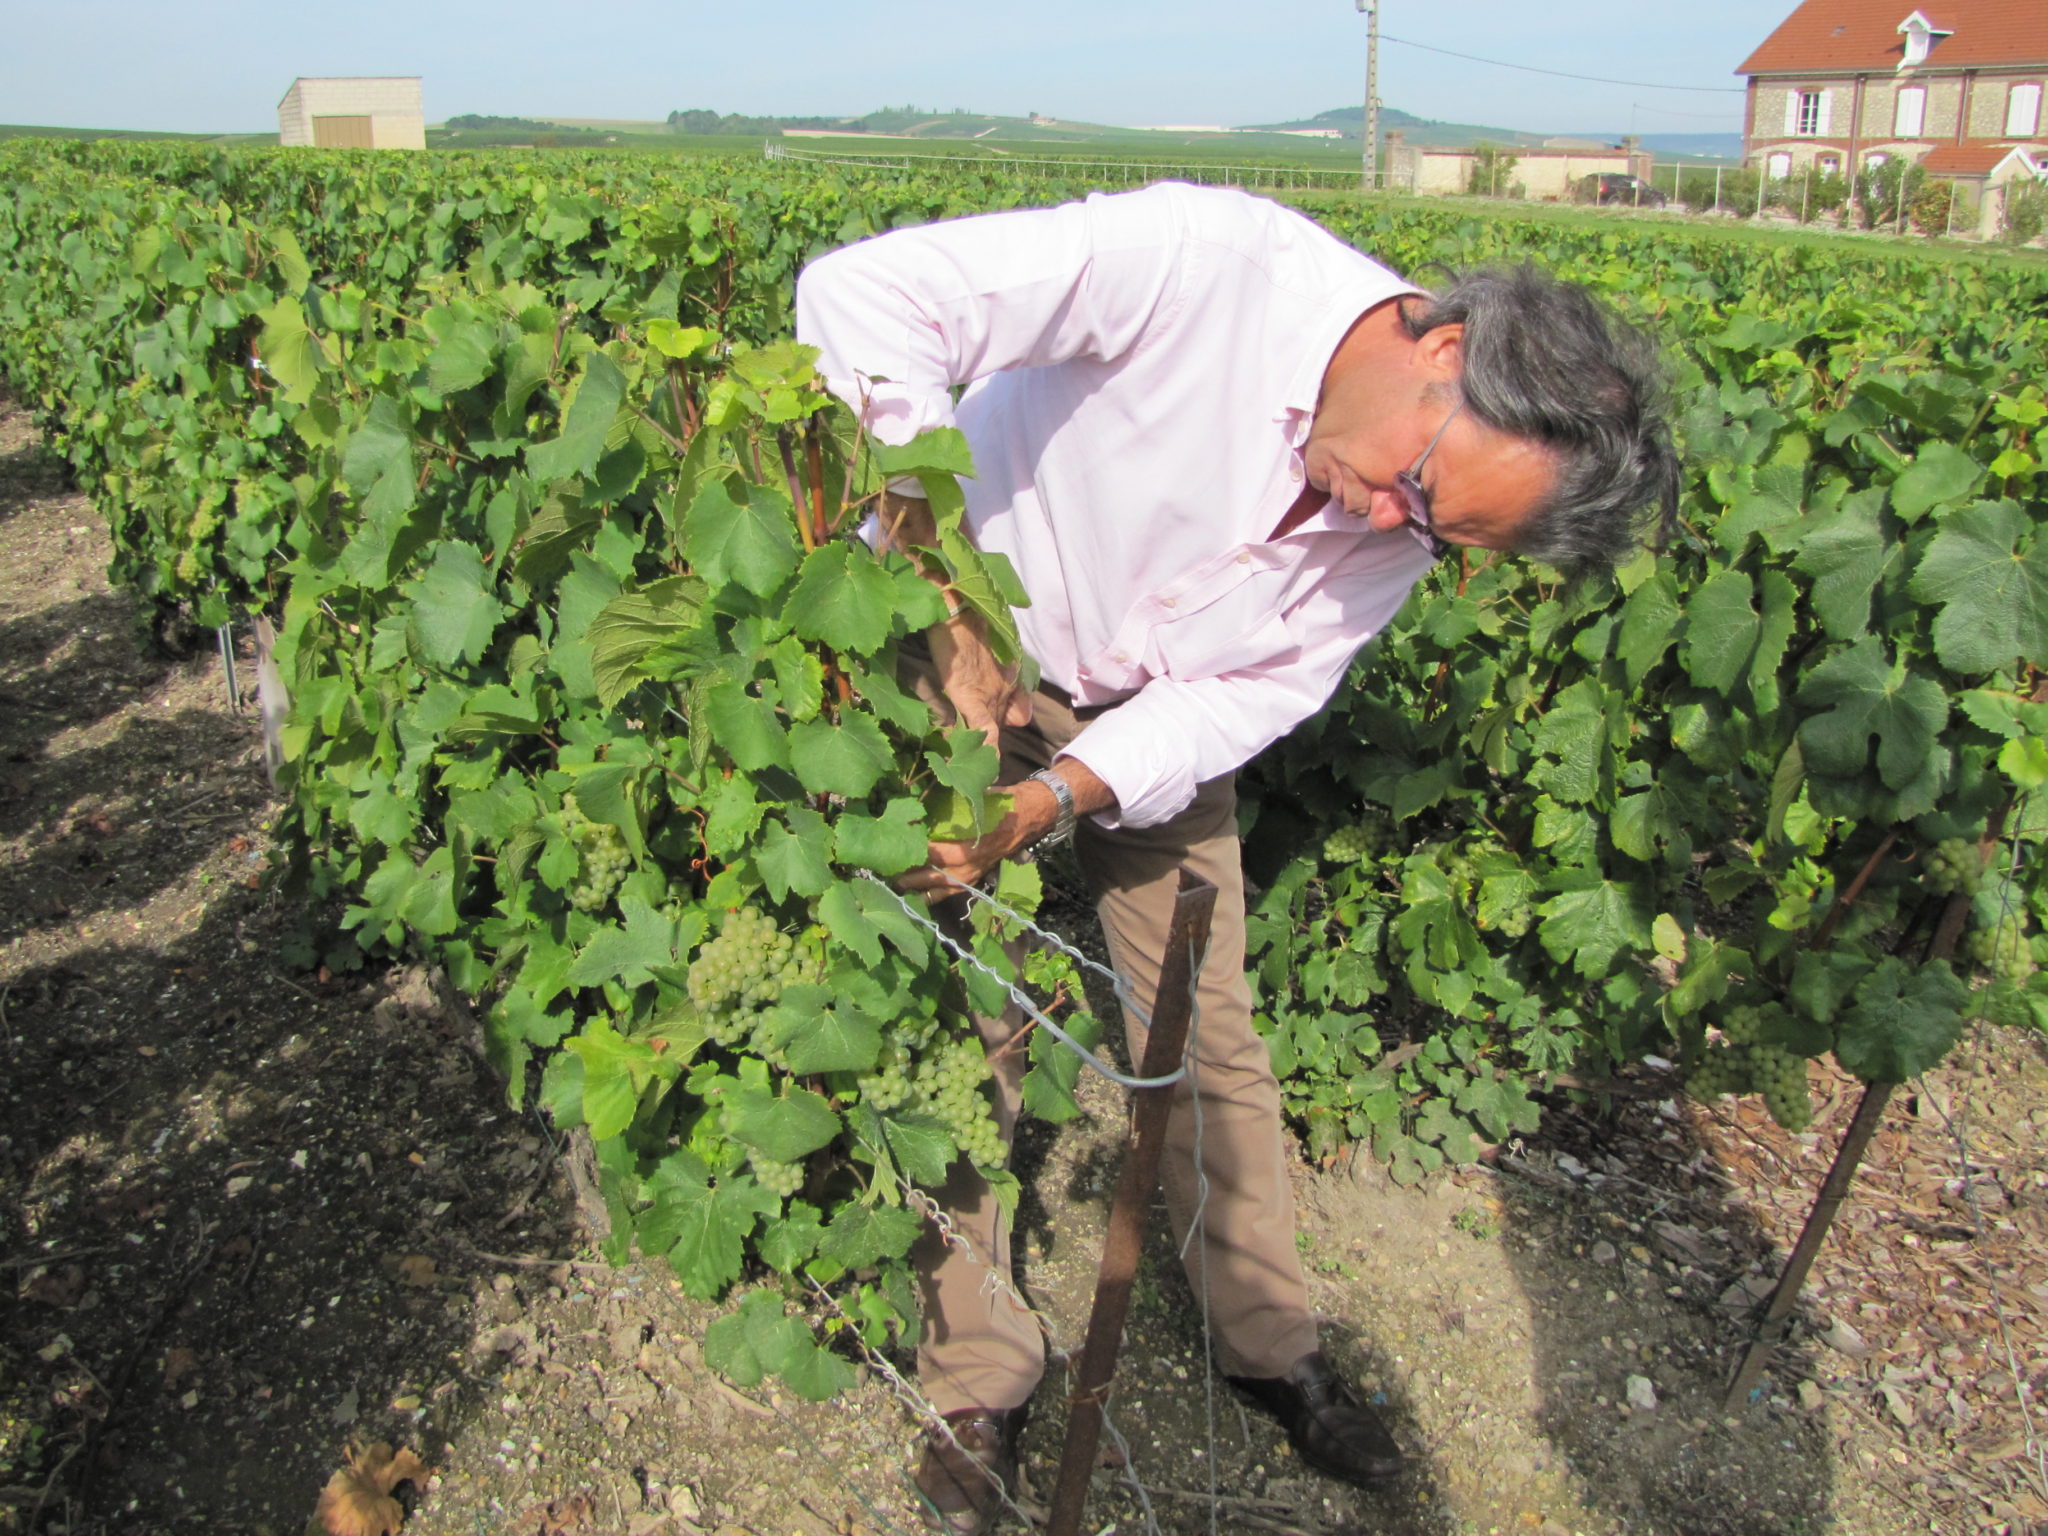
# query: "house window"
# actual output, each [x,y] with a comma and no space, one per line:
[1778,166]
[1807,113]
[1910,112]
[1831,165]
[2023,111]
[1876,160]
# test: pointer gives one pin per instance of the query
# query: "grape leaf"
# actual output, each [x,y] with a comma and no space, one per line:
[784,1128]
[454,611]
[1902,1020]
[887,844]
[816,1374]
[701,1229]
[1994,599]
[745,726]
[1846,557]
[859,1235]
[1720,630]
[751,541]
[793,858]
[923,1146]
[817,1038]
[787,1240]
[1855,695]
[753,1340]
[1591,921]
[585,425]
[1940,474]
[847,758]
[1649,623]
[843,598]
[627,953]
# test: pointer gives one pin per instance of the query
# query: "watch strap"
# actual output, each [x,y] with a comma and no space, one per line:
[1063,795]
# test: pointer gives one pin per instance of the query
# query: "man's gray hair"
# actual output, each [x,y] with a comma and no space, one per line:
[1545,363]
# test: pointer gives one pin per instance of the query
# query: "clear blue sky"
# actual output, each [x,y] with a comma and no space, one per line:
[221,65]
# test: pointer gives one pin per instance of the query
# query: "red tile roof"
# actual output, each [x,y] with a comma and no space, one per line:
[1827,36]
[1965,159]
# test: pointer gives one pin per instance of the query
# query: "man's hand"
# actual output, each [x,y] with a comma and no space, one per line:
[1033,813]
[984,695]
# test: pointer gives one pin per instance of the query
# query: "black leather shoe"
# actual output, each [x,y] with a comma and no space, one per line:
[964,1485]
[1326,1422]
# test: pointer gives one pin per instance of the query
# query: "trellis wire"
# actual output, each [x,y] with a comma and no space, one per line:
[1198,1230]
[1023,999]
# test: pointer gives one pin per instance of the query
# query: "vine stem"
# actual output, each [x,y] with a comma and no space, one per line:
[1840,910]
[796,488]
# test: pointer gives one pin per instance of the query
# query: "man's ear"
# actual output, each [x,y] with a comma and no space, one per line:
[1440,352]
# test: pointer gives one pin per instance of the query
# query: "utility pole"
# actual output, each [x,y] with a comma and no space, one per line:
[1369,178]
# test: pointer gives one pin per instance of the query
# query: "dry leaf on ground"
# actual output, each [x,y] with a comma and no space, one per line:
[357,1500]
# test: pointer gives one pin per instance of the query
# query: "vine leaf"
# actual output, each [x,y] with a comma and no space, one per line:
[1994,600]
[615,1070]
[584,426]
[289,350]
[631,625]
[1940,474]
[1591,921]
[746,727]
[1902,1020]
[846,758]
[699,1227]
[1856,695]
[751,540]
[859,1235]
[785,1128]
[1649,623]
[843,598]
[357,1500]
[818,1037]
[888,844]
[1720,630]
[454,610]
[923,1146]
[792,858]
[1846,557]
[628,954]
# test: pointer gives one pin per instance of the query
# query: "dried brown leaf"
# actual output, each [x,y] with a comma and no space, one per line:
[179,1362]
[418,1269]
[357,1500]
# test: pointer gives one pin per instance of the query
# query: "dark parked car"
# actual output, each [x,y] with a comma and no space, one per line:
[1633,191]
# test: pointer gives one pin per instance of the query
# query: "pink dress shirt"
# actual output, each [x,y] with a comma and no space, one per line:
[1140,371]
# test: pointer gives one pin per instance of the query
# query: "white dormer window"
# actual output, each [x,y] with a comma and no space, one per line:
[1919,34]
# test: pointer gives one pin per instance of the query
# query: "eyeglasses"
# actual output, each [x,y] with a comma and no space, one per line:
[1415,500]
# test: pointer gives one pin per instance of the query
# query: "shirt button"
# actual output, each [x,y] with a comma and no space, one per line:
[1294,471]
[1244,557]
[1166,602]
[1120,658]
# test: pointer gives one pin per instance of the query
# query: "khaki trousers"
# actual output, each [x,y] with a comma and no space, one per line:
[980,1348]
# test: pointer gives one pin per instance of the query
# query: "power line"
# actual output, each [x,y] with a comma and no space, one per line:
[1648,85]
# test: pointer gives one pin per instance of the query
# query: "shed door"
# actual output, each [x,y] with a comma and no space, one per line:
[342,133]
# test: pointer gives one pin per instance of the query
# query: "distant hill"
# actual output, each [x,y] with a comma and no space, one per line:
[1705,146]
[1350,123]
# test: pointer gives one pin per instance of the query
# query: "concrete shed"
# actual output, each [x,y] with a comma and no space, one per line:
[353,113]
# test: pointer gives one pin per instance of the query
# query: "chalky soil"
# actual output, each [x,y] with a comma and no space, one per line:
[250,1213]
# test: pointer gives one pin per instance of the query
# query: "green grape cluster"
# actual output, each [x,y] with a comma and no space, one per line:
[888,1087]
[948,1084]
[1358,841]
[2003,948]
[1953,865]
[783,1179]
[1722,1070]
[1742,1063]
[602,858]
[1780,1076]
[745,969]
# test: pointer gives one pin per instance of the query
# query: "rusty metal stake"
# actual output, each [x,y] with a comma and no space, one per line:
[1172,1008]
[1848,1158]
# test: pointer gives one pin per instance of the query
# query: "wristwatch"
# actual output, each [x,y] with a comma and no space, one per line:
[1063,823]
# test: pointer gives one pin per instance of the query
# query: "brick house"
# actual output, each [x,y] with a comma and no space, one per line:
[353,113]
[1956,85]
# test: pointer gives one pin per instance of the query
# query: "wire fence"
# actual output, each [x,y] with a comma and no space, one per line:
[1252,178]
